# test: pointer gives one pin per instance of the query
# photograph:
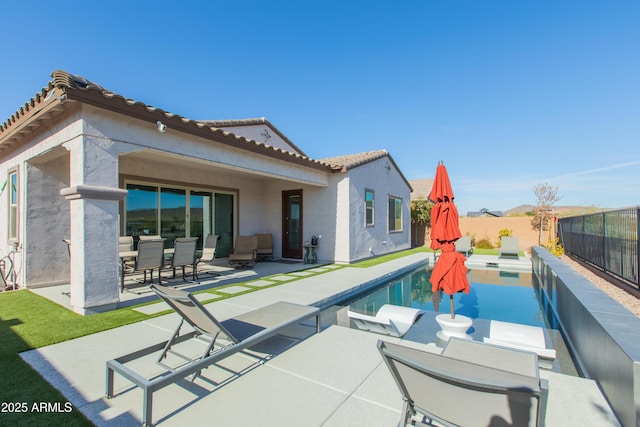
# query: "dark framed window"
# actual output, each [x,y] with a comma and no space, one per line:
[395,214]
[13,198]
[369,208]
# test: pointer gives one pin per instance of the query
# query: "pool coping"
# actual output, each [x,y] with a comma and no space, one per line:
[601,333]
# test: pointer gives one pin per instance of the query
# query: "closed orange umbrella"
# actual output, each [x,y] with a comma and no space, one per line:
[449,273]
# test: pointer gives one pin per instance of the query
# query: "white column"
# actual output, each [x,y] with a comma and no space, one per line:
[94,209]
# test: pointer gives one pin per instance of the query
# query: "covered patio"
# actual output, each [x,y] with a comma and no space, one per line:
[91,166]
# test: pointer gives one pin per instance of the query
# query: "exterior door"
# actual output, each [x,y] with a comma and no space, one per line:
[292,224]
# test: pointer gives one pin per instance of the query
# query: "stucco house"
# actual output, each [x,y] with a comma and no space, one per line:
[82,163]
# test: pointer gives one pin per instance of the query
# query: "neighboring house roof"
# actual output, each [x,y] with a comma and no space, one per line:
[484,212]
[421,188]
[351,161]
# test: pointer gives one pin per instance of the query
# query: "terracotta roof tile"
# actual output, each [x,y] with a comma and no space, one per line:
[66,86]
[350,161]
[421,188]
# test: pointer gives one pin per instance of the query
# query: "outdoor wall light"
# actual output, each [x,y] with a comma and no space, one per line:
[161,127]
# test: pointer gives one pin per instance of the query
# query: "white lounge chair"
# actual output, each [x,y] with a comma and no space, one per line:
[521,337]
[470,384]
[463,245]
[389,320]
[509,247]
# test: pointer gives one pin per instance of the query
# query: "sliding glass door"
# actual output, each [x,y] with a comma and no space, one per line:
[200,215]
[142,210]
[172,212]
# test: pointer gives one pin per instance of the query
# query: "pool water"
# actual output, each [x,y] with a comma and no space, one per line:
[507,296]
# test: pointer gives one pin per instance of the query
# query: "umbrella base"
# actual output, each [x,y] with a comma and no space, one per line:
[456,327]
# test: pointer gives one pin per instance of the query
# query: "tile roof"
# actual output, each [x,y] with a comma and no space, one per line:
[252,122]
[65,87]
[351,161]
[421,188]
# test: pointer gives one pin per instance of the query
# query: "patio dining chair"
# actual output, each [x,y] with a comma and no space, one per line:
[265,247]
[149,237]
[208,252]
[184,254]
[150,256]
[125,244]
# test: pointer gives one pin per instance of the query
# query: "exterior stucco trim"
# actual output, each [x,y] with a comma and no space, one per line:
[93,192]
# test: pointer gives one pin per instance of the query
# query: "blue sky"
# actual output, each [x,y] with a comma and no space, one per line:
[509,94]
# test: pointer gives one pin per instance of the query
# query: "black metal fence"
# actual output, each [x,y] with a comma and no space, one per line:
[607,240]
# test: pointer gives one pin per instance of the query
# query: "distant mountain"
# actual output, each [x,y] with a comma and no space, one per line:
[561,211]
[519,210]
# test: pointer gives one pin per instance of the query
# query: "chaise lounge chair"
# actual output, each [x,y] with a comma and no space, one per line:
[469,384]
[509,247]
[245,252]
[521,337]
[463,245]
[242,332]
[389,320]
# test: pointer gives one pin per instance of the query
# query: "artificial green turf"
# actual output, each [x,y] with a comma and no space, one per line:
[28,321]
[370,262]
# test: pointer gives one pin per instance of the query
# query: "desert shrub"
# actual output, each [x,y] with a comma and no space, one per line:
[504,232]
[484,244]
[555,247]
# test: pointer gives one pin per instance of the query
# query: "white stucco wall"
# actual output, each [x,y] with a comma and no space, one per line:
[261,133]
[381,177]
[48,221]
[89,146]
[48,232]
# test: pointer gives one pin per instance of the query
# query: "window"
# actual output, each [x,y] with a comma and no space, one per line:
[395,214]
[174,211]
[12,193]
[368,208]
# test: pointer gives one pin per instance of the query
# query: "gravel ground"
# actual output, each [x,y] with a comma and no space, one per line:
[629,301]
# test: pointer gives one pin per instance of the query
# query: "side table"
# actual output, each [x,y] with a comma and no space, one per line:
[310,256]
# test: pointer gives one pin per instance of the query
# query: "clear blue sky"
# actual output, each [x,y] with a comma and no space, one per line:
[509,94]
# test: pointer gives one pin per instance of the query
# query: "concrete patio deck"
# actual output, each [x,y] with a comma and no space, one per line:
[335,378]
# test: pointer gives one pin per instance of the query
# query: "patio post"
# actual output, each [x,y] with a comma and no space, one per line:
[94,208]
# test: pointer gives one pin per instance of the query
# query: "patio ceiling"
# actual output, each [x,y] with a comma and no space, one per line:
[195,164]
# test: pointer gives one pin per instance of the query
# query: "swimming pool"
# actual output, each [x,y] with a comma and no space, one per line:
[494,295]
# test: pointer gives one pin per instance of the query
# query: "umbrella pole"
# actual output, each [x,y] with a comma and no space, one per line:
[453,314]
